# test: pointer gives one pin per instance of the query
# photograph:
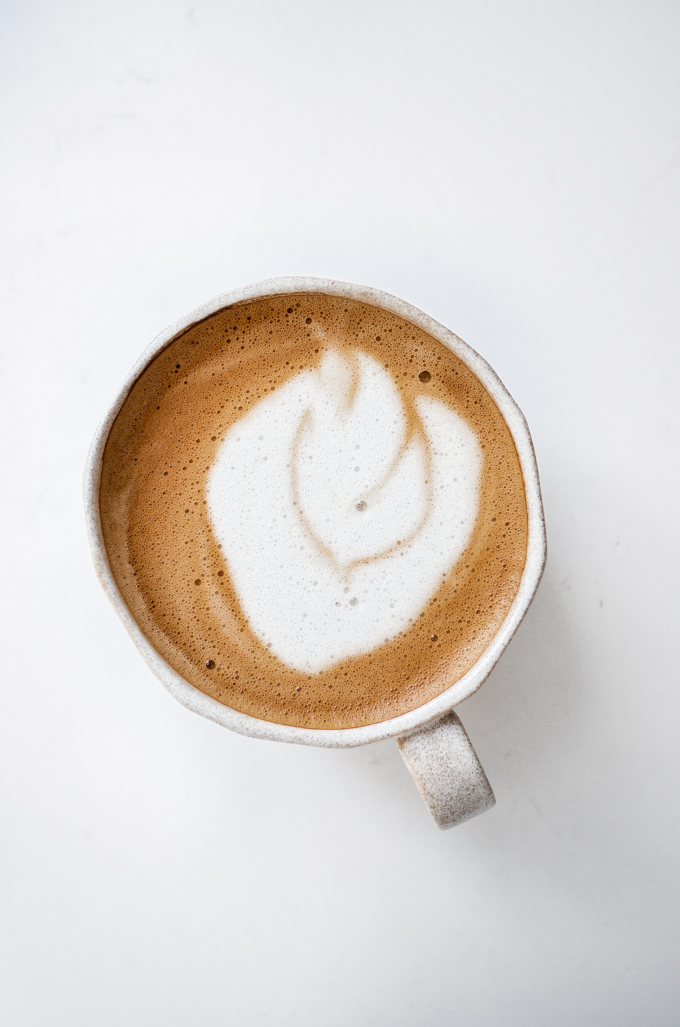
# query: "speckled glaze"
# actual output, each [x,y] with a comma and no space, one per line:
[448,774]
[436,708]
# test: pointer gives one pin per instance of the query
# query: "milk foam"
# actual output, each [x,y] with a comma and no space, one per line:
[337,523]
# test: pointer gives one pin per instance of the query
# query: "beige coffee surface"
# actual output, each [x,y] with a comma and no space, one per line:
[170,567]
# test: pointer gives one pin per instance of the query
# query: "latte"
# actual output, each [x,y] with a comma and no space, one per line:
[314,511]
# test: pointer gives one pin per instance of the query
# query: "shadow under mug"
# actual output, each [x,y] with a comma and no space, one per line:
[431,738]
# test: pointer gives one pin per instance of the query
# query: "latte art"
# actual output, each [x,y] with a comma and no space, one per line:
[338,514]
[314,510]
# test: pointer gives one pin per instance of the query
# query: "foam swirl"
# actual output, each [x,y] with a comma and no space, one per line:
[338,514]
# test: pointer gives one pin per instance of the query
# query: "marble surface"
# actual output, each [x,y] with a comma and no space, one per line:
[513,170]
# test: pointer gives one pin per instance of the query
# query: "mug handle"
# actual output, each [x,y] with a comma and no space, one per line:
[446,770]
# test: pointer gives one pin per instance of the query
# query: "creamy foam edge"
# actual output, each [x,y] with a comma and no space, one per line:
[350,557]
[182,511]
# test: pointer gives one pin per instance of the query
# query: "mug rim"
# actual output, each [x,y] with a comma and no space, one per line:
[405,723]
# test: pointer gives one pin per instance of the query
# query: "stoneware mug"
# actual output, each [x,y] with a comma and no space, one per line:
[431,738]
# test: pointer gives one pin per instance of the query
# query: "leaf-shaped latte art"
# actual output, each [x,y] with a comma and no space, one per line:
[337,521]
[352,448]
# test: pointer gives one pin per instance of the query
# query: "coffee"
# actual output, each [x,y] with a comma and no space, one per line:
[314,511]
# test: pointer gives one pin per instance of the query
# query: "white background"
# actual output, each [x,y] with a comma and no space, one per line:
[511,167]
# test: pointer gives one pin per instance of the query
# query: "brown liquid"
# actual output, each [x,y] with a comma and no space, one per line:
[167,562]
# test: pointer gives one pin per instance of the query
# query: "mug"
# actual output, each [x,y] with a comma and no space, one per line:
[431,738]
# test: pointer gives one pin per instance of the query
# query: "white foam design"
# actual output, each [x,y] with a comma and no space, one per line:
[318,578]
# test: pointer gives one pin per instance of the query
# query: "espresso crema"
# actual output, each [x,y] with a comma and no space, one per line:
[314,511]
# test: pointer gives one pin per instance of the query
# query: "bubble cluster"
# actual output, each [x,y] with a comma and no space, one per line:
[171,569]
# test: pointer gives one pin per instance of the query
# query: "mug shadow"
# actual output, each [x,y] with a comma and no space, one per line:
[527,713]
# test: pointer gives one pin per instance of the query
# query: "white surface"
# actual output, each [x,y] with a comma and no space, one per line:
[282,497]
[511,168]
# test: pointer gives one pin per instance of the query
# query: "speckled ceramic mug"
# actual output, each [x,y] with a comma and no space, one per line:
[431,738]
